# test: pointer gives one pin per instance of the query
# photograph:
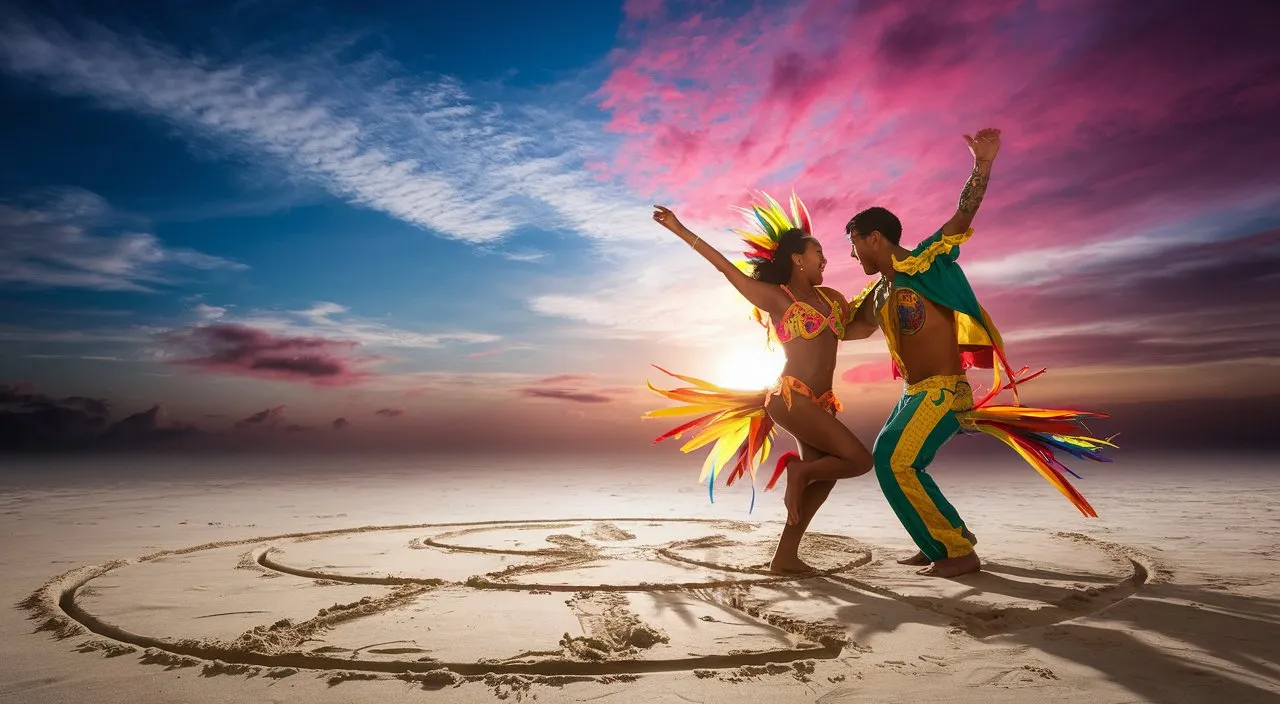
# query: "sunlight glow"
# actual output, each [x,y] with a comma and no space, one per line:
[749,368]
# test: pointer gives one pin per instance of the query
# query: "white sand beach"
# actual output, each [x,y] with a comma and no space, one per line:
[388,579]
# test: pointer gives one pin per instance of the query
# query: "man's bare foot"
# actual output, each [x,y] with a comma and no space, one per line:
[916,559]
[953,566]
[790,565]
[795,491]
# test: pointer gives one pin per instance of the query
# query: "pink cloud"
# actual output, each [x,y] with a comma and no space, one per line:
[1115,116]
[244,351]
[868,373]
[636,10]
[576,388]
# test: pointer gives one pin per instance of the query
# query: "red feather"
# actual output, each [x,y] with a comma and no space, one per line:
[783,461]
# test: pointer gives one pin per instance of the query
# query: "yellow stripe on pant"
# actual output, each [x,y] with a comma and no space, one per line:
[923,420]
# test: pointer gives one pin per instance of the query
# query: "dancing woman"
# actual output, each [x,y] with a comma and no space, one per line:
[782,278]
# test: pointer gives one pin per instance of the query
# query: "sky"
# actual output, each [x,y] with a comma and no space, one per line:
[387,225]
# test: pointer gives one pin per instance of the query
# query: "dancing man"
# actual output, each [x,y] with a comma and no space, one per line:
[935,330]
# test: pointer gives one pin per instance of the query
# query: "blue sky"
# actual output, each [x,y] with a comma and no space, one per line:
[442,210]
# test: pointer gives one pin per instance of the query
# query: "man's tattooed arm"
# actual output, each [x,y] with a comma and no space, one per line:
[970,198]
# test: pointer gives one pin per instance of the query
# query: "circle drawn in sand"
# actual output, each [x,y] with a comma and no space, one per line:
[605,598]
[408,600]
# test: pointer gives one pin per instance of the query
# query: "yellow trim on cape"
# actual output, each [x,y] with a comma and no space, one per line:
[858,299]
[969,332]
[889,328]
[921,262]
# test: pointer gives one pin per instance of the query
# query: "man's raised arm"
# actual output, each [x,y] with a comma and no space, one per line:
[984,148]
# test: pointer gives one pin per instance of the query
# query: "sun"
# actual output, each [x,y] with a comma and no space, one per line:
[750,368]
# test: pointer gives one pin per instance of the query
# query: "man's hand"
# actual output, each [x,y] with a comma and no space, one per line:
[985,145]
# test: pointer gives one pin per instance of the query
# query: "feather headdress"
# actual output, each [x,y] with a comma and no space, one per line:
[767,221]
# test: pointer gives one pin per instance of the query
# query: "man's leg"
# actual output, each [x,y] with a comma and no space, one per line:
[921,423]
[953,565]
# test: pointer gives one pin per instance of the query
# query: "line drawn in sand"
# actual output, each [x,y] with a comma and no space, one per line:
[642,598]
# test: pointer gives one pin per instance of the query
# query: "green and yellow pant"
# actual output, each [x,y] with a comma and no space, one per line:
[923,421]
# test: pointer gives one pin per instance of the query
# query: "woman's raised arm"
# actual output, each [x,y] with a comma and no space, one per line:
[766,297]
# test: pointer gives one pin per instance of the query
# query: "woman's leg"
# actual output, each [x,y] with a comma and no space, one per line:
[843,454]
[786,557]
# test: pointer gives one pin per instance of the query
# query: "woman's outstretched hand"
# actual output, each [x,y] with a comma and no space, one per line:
[664,217]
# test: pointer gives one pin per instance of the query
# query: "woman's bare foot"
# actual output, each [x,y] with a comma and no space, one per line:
[916,559]
[790,565]
[953,566]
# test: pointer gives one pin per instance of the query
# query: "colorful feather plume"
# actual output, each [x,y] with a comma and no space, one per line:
[1035,433]
[767,221]
[735,421]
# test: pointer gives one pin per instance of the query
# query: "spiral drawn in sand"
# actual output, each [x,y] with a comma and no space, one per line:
[608,598]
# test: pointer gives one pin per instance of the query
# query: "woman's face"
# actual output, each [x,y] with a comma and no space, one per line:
[812,262]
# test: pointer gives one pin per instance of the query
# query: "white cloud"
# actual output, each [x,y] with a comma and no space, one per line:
[319,320]
[422,151]
[529,256]
[55,245]
[1052,263]
[208,312]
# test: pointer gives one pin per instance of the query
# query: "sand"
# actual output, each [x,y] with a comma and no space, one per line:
[353,580]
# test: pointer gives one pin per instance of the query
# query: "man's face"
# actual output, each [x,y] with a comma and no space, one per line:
[863,251]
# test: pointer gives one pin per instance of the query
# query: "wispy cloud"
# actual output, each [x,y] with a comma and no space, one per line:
[21,334]
[92,358]
[566,395]
[423,151]
[208,312]
[71,239]
[574,388]
[331,320]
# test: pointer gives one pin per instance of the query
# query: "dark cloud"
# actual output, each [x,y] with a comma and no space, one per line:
[389,412]
[268,418]
[244,351]
[25,396]
[341,423]
[565,395]
[574,388]
[38,423]
[146,429]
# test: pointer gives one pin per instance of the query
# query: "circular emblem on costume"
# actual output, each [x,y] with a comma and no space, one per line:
[910,307]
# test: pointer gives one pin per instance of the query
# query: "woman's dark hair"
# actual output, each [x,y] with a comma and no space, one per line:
[778,270]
